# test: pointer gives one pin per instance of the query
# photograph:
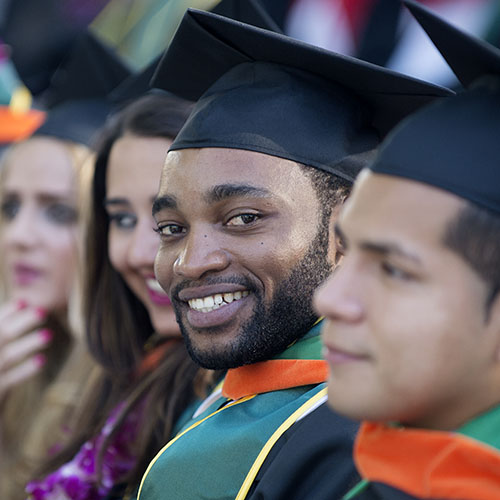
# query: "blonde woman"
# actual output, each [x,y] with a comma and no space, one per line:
[42,185]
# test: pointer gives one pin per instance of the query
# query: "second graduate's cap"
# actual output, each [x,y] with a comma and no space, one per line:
[78,101]
[454,144]
[264,91]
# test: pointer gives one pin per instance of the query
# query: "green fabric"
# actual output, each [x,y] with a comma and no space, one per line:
[212,460]
[484,428]
[308,347]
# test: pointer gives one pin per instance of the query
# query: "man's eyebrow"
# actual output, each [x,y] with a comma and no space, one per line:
[162,202]
[381,248]
[389,249]
[224,191]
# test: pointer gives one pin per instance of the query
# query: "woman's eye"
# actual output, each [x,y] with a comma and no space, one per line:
[395,272]
[169,229]
[242,219]
[10,209]
[60,213]
[123,220]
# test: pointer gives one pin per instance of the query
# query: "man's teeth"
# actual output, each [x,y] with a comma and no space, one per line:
[212,302]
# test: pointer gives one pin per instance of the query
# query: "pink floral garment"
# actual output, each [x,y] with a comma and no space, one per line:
[77,480]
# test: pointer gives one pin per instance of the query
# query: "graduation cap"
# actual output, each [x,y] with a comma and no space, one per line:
[134,86]
[78,98]
[138,84]
[453,144]
[263,91]
[248,11]
[92,70]
[468,57]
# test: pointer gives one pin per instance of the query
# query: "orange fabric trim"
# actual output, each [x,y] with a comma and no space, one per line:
[18,126]
[273,375]
[428,464]
[153,358]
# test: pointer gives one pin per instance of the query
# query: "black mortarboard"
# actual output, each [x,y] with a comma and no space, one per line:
[266,92]
[134,86]
[453,144]
[92,70]
[77,101]
[247,11]
[468,57]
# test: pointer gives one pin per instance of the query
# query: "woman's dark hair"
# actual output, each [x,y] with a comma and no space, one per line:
[116,341]
[118,325]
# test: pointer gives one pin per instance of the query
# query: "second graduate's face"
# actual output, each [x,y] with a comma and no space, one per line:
[132,179]
[407,335]
[237,252]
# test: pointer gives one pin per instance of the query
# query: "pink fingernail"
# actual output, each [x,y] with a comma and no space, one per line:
[46,335]
[40,312]
[21,304]
[40,359]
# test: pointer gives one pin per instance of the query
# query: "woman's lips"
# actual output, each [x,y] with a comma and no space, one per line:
[156,293]
[25,275]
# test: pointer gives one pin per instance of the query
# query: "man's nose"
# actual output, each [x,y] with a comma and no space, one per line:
[340,297]
[201,253]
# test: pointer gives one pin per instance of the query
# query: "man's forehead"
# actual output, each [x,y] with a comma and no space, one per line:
[214,166]
[397,206]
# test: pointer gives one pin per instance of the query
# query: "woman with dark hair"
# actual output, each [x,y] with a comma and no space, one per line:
[147,380]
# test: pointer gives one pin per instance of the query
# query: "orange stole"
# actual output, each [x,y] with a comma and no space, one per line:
[273,375]
[428,464]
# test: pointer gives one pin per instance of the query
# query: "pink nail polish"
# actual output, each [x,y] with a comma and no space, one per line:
[40,312]
[21,304]
[46,335]
[40,359]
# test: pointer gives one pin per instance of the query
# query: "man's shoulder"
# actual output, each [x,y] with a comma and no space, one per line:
[312,459]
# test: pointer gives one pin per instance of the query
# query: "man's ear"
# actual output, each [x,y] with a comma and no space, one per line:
[333,255]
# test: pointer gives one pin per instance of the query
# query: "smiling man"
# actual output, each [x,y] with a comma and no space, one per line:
[246,202]
[413,313]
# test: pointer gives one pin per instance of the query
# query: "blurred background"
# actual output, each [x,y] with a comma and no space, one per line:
[36,35]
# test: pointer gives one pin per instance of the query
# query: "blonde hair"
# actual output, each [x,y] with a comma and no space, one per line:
[32,414]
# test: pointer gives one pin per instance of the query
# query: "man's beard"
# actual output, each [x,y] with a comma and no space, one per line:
[274,326]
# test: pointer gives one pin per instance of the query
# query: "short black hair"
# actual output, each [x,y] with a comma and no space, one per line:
[331,190]
[474,234]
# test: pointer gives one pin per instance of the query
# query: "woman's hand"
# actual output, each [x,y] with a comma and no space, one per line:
[21,341]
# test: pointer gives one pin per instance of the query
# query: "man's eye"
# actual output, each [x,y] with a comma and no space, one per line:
[242,219]
[10,209]
[123,220]
[395,272]
[61,213]
[169,229]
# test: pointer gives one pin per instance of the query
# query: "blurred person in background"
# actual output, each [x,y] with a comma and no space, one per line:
[43,181]
[44,187]
[420,238]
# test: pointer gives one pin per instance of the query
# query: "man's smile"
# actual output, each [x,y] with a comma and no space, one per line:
[212,302]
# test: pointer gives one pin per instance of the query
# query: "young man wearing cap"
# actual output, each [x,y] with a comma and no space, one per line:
[412,331]
[244,211]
